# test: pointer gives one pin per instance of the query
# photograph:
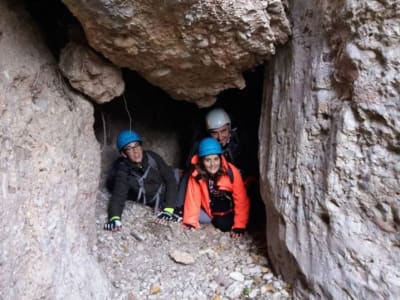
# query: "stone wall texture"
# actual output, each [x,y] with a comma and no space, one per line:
[90,73]
[49,169]
[330,151]
[192,49]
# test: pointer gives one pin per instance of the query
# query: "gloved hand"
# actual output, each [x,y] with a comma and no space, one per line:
[237,233]
[167,215]
[114,224]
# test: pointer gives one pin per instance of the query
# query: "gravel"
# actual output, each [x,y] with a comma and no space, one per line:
[147,260]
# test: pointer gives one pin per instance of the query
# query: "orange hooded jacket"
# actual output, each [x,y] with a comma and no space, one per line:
[197,196]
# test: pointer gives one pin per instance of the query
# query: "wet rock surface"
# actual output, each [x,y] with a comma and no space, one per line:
[147,260]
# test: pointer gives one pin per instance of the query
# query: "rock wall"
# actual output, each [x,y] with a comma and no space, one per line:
[192,49]
[49,169]
[330,152]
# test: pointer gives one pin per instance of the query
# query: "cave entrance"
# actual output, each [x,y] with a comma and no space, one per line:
[169,127]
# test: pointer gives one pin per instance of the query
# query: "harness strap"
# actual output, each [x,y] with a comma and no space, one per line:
[222,213]
[142,192]
[157,198]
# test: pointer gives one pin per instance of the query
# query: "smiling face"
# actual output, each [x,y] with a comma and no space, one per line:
[134,152]
[221,134]
[212,163]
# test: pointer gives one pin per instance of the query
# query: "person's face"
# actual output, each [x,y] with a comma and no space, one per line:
[134,152]
[222,134]
[212,163]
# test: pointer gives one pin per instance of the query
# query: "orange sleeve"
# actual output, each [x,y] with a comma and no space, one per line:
[241,200]
[191,208]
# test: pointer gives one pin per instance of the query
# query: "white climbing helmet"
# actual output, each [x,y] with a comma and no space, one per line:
[217,118]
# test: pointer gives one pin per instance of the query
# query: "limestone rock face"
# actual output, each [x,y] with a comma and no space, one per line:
[192,49]
[90,73]
[330,151]
[49,169]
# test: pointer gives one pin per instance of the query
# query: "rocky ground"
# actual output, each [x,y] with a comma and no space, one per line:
[147,260]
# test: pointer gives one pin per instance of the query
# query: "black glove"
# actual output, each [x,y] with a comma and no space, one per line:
[167,216]
[237,232]
[114,224]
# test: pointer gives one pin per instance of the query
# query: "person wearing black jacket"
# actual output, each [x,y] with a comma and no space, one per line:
[143,175]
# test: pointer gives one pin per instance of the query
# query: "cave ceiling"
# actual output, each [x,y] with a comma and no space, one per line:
[191,49]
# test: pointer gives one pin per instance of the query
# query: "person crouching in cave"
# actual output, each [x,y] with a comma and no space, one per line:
[215,192]
[238,151]
[141,175]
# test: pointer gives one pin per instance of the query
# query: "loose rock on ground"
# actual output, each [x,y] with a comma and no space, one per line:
[147,260]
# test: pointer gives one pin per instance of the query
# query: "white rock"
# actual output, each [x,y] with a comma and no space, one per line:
[255,270]
[277,296]
[254,293]
[235,290]
[268,276]
[277,285]
[237,276]
[181,257]
[138,236]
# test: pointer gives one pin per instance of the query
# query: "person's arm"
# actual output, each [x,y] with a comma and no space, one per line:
[192,205]
[118,198]
[168,177]
[121,188]
[240,199]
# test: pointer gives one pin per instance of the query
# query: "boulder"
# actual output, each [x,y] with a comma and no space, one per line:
[193,49]
[90,73]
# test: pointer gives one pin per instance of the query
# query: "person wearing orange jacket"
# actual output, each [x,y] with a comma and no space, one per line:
[215,192]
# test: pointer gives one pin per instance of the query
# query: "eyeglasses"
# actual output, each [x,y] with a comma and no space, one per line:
[132,147]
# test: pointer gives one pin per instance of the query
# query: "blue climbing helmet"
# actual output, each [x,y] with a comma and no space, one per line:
[209,146]
[127,136]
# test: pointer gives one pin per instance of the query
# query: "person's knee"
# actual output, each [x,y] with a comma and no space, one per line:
[204,218]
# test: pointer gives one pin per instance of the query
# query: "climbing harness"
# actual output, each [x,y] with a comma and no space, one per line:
[142,191]
[221,202]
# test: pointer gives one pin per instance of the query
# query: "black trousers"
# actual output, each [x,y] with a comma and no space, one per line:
[223,223]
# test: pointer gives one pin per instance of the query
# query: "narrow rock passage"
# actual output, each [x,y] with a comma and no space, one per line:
[141,260]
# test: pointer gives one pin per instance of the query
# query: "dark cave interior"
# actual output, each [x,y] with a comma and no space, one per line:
[154,109]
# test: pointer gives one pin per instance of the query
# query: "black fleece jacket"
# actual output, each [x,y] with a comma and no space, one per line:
[126,182]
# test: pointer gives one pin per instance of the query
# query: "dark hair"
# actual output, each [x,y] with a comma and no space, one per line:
[203,174]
